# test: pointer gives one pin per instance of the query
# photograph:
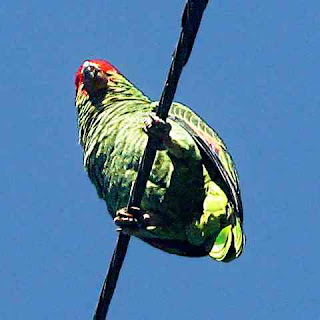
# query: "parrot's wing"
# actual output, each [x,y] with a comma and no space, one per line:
[216,158]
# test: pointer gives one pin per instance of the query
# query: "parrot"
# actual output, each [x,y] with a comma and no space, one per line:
[192,203]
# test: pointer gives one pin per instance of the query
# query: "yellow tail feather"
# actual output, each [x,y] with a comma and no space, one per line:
[229,243]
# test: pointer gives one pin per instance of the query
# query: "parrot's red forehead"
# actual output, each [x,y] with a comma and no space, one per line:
[101,64]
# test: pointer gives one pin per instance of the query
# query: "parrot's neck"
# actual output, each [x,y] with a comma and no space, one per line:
[99,114]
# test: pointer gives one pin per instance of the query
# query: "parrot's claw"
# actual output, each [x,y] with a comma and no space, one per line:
[154,126]
[124,219]
[133,220]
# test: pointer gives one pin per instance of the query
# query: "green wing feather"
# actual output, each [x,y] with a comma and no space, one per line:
[229,242]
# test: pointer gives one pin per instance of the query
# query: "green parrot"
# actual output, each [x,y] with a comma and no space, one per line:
[192,204]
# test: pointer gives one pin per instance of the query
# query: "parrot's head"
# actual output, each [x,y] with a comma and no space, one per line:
[94,76]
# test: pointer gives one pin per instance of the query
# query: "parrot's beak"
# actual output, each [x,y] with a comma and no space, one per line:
[89,73]
[94,79]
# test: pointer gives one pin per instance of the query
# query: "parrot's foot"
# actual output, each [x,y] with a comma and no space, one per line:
[157,128]
[132,219]
[124,219]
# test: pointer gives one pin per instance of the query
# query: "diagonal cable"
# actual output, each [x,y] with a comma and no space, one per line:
[191,19]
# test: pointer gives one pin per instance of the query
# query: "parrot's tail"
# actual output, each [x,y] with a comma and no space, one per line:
[219,228]
[229,243]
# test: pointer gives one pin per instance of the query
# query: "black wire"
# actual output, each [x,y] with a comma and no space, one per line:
[110,281]
[191,19]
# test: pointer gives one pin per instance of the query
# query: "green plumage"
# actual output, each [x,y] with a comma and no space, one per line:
[196,208]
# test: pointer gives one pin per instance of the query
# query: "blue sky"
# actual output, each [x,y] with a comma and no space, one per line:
[253,75]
